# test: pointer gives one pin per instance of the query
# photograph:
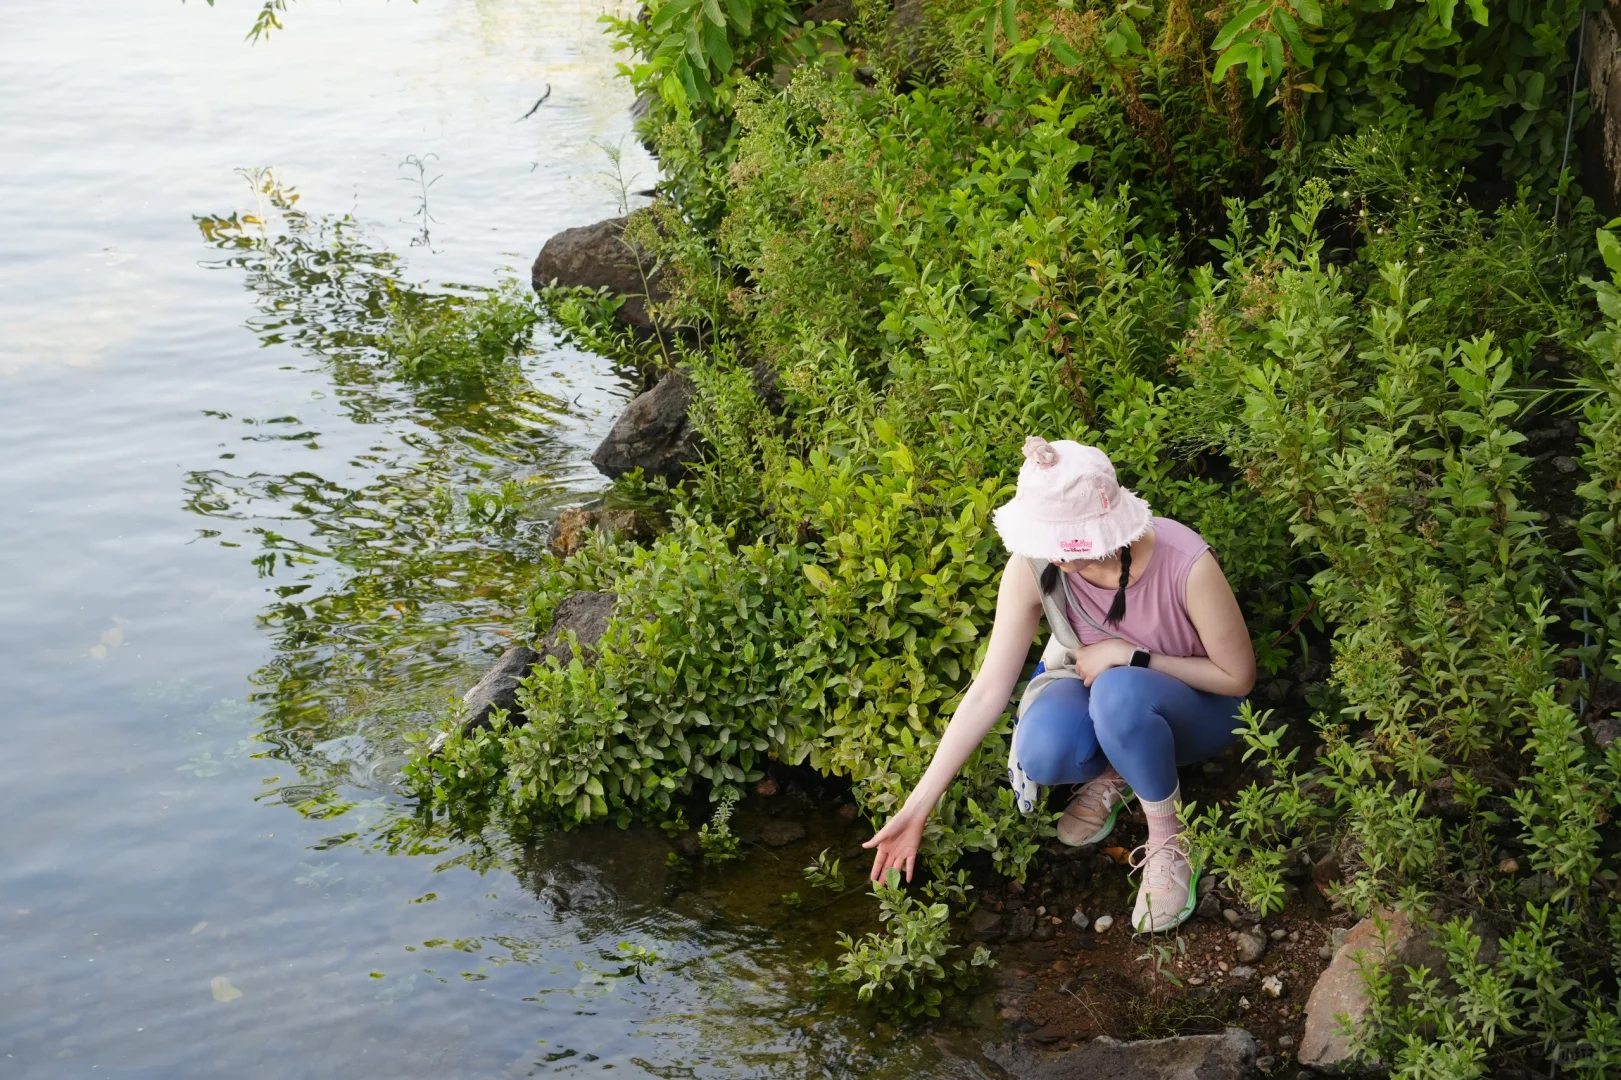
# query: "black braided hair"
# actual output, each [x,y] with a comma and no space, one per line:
[1117,610]
[1049,578]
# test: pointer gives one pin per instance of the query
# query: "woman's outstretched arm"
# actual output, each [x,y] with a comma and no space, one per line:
[1018,611]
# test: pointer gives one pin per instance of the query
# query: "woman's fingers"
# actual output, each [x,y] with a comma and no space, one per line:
[910,859]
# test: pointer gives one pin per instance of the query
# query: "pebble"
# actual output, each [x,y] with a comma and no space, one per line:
[1286,1042]
[1103,923]
[1195,980]
[1011,1014]
[1565,465]
[1242,971]
[1080,919]
[1230,915]
[1326,952]
[1509,866]
[1243,1003]
[1272,986]
[1041,911]
[1222,964]
[1266,1062]
[1279,934]
[1251,945]
[1294,936]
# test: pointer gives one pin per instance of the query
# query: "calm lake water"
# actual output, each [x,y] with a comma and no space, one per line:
[241,564]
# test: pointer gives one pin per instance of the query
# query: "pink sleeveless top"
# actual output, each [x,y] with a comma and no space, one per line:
[1156,601]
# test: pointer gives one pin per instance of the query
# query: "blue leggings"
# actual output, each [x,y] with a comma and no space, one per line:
[1145,723]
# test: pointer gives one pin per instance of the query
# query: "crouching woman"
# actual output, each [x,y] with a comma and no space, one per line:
[1148,663]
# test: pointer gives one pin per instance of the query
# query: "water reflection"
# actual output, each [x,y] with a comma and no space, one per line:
[393,558]
[398,573]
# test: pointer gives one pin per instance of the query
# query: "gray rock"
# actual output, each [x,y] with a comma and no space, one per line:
[1232,916]
[597,256]
[1340,990]
[1209,907]
[984,925]
[1228,1056]
[653,433]
[1044,931]
[584,613]
[1251,945]
[1021,924]
[498,689]
[1565,465]
[1242,972]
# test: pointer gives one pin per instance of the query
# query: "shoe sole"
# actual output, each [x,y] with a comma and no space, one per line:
[1108,825]
[1187,908]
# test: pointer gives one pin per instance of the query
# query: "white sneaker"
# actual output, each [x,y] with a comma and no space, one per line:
[1092,811]
[1170,886]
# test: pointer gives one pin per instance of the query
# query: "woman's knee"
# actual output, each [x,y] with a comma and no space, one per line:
[1054,736]
[1121,703]
[1043,747]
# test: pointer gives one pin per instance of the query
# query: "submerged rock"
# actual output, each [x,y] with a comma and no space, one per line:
[781,832]
[653,433]
[1228,1056]
[586,614]
[598,256]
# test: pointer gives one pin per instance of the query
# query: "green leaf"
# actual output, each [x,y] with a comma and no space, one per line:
[720,53]
[1477,11]
[1442,10]
[1010,22]
[1311,14]
[714,14]
[1609,248]
[990,33]
[1290,31]
[818,577]
[1239,23]
[1238,54]
[1063,53]
[1272,49]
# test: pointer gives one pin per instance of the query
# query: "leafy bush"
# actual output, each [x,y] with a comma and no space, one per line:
[938,248]
[901,968]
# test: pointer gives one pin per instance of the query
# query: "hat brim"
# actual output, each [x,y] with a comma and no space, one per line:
[1024,533]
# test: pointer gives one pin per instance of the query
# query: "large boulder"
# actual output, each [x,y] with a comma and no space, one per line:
[599,257]
[584,613]
[1228,1056]
[653,433]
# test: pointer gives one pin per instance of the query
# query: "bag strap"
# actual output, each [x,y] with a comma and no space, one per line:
[1057,618]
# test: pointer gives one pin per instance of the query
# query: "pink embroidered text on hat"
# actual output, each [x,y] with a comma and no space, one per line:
[1069,505]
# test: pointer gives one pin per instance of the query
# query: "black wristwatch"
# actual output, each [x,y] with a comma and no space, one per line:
[1140,658]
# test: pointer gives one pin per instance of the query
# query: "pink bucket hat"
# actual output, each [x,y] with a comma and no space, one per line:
[1069,505]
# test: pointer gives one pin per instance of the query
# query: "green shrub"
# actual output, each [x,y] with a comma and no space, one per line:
[938,254]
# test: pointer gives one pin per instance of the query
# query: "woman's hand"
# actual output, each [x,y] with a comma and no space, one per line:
[1093,660]
[897,843]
